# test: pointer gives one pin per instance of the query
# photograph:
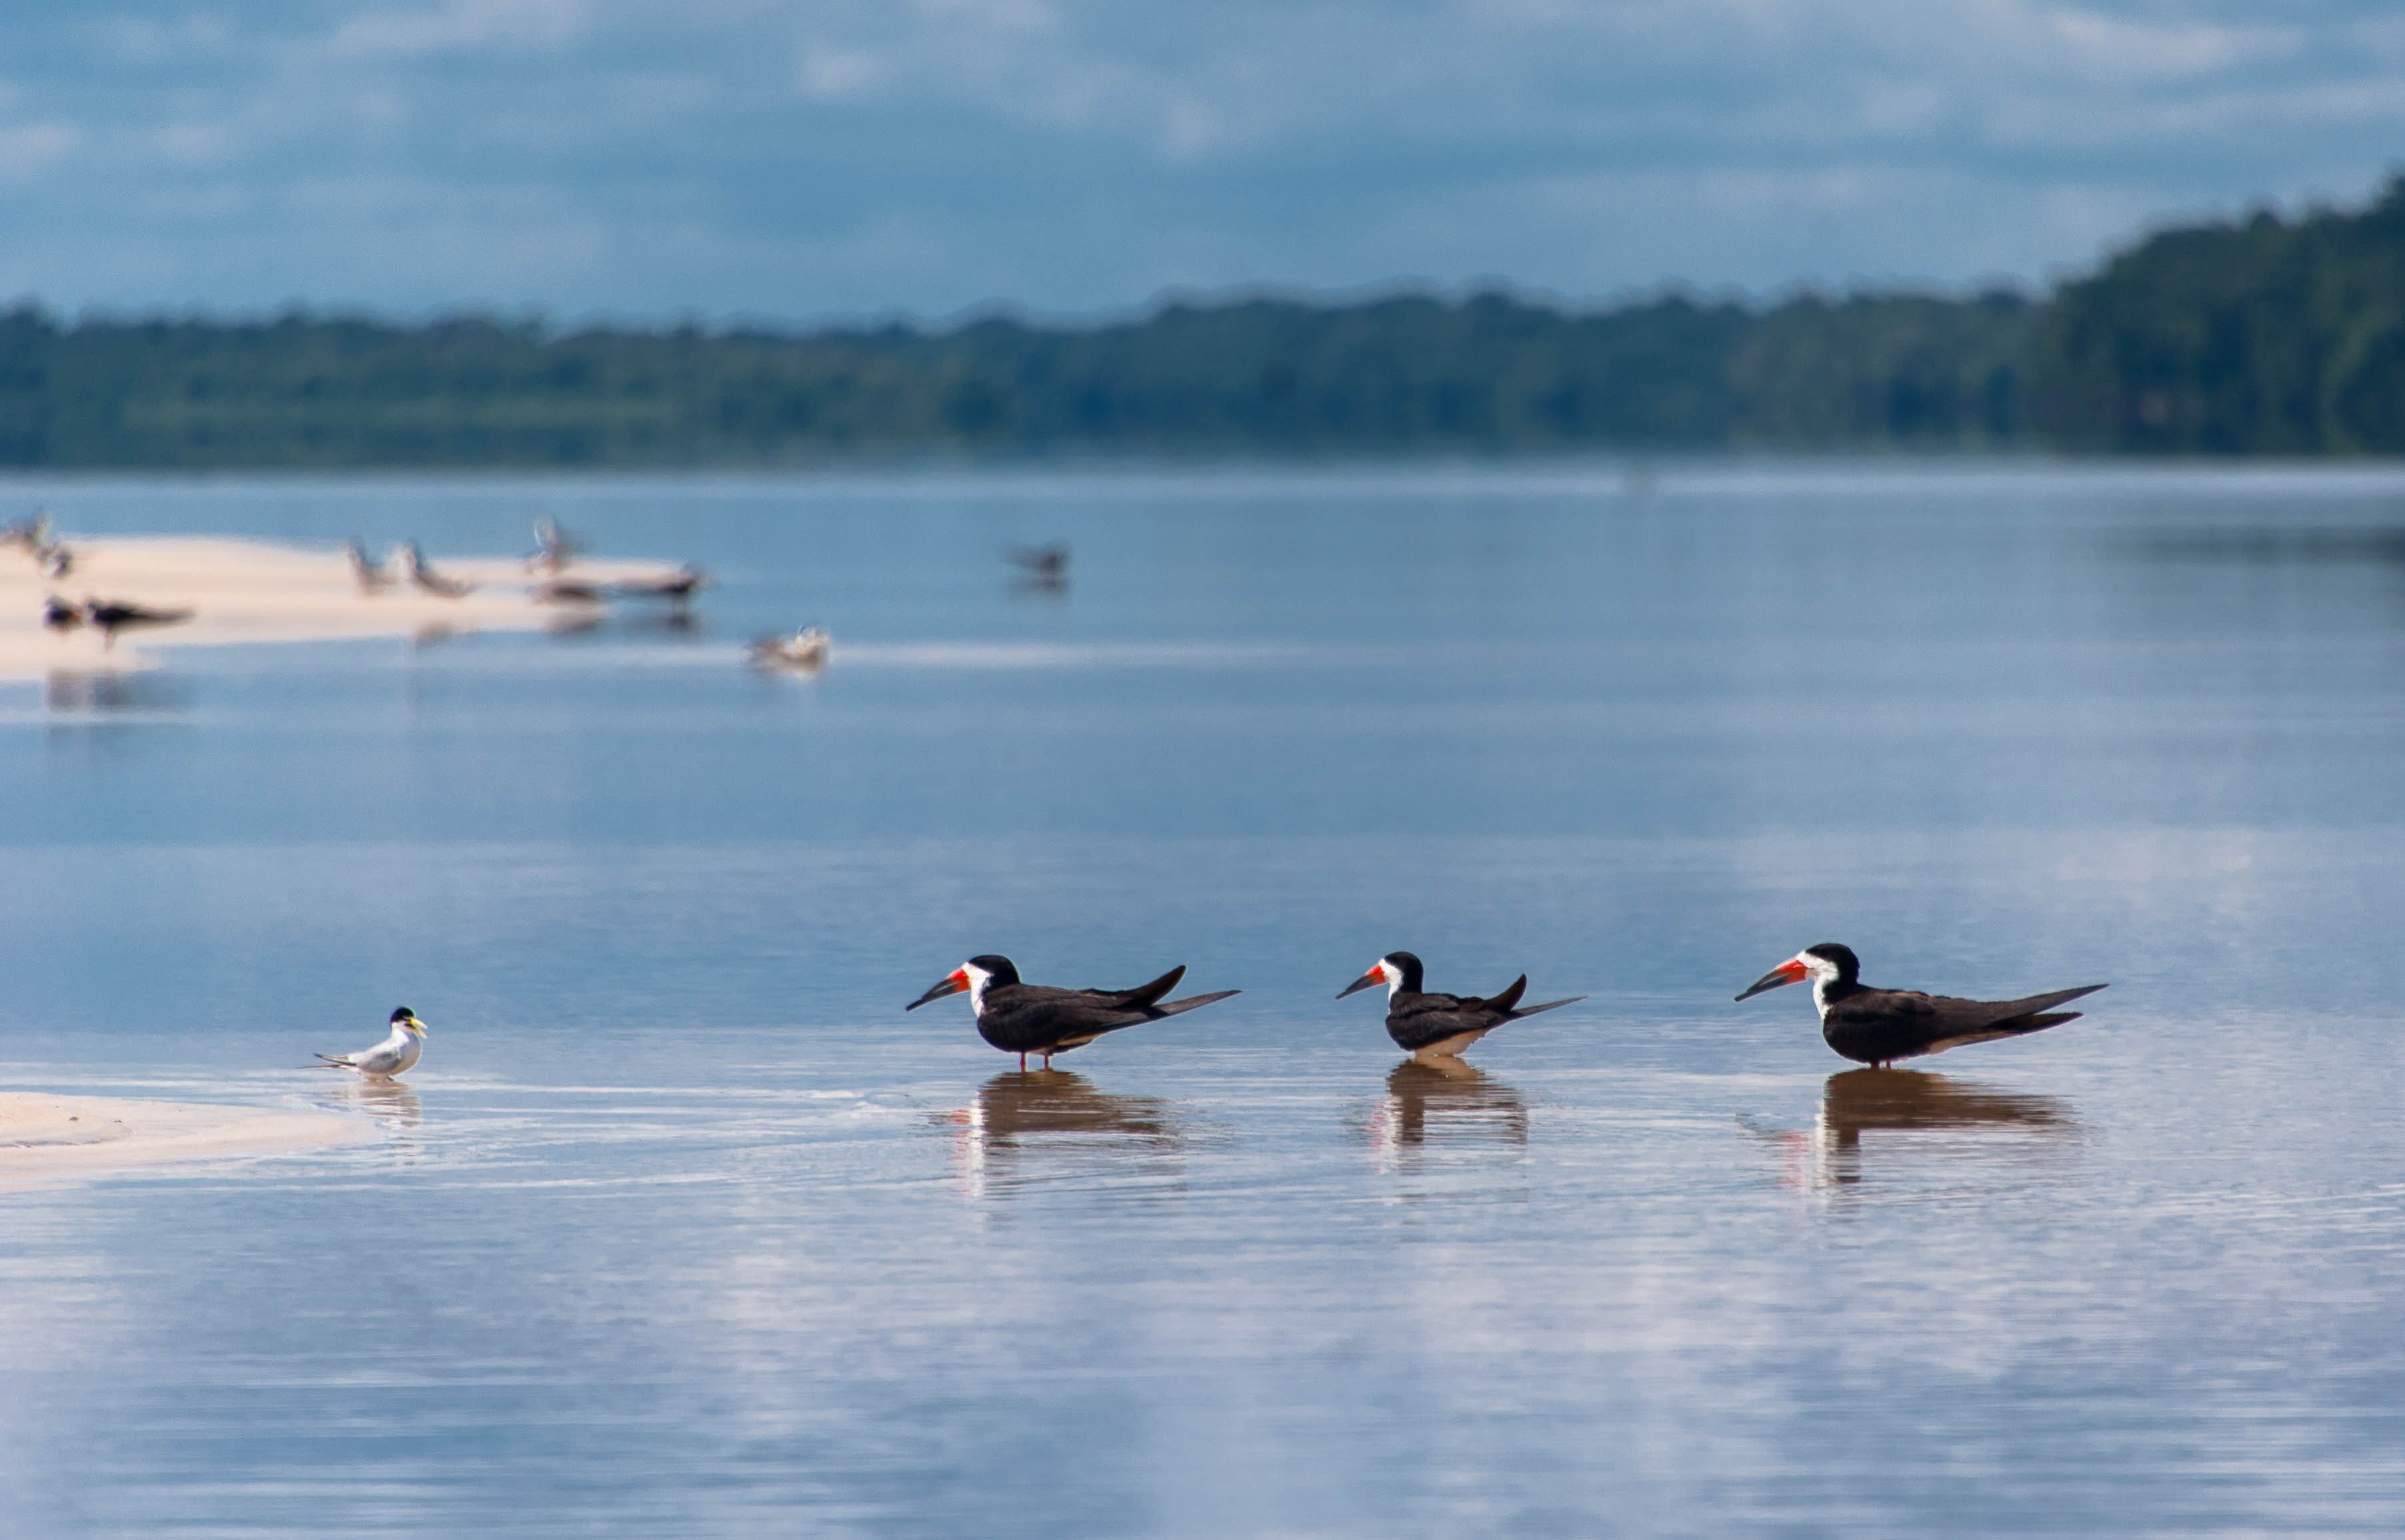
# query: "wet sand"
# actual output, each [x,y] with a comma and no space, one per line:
[255,591]
[44,1137]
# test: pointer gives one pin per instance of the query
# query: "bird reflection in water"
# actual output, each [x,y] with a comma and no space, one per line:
[1445,1101]
[1027,1124]
[1855,1102]
[393,1105]
[107,691]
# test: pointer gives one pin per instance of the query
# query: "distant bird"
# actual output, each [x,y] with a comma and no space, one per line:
[115,615]
[1046,565]
[394,1055]
[1878,1027]
[32,534]
[1034,1018]
[555,547]
[56,559]
[1434,1026]
[805,650]
[59,615]
[412,561]
[374,576]
[677,589]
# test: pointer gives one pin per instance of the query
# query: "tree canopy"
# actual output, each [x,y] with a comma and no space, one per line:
[2259,337]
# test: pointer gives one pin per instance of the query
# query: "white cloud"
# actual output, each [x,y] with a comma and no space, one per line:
[929,154]
[459,26]
[30,150]
[834,74]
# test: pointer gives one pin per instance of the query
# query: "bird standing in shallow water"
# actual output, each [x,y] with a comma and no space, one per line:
[1878,1027]
[555,547]
[1431,1026]
[394,1055]
[373,575]
[422,576]
[1036,1018]
[114,615]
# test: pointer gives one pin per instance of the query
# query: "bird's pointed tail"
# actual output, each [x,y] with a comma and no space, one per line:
[1194,1003]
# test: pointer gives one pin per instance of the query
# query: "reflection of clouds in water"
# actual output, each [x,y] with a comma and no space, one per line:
[1878,1102]
[1033,1123]
[1447,1102]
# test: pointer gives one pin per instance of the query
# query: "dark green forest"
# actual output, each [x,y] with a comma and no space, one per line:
[2263,337]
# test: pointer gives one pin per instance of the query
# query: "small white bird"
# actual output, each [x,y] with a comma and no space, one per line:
[555,547]
[805,650]
[394,1055]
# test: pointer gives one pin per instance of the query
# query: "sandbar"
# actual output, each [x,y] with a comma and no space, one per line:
[243,590]
[44,1137]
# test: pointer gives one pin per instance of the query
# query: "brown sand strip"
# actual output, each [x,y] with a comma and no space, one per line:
[44,1137]
[253,590]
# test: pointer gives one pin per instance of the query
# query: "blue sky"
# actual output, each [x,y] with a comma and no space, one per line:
[794,161]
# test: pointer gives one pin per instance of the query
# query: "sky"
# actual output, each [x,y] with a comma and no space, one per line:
[822,159]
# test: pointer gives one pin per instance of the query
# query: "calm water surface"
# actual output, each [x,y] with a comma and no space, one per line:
[682,1227]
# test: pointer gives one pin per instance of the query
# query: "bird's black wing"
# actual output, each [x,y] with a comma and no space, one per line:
[1148,994]
[1881,1025]
[1502,1004]
[1415,1021]
[1027,1019]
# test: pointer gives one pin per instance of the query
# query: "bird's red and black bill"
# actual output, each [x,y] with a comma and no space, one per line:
[952,984]
[1790,972]
[1376,976]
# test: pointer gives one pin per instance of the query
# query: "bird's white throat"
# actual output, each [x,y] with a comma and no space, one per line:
[978,979]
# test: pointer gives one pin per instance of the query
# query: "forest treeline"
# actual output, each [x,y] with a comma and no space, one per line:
[2267,336]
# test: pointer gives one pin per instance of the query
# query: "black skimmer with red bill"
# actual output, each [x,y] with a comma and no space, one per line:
[1433,1025]
[1035,1018]
[1878,1027]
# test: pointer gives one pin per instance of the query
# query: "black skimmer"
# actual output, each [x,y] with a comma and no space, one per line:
[115,615]
[1878,1027]
[414,563]
[1046,565]
[393,1056]
[678,588]
[59,615]
[1430,1026]
[1034,1018]
[555,547]
[373,575]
